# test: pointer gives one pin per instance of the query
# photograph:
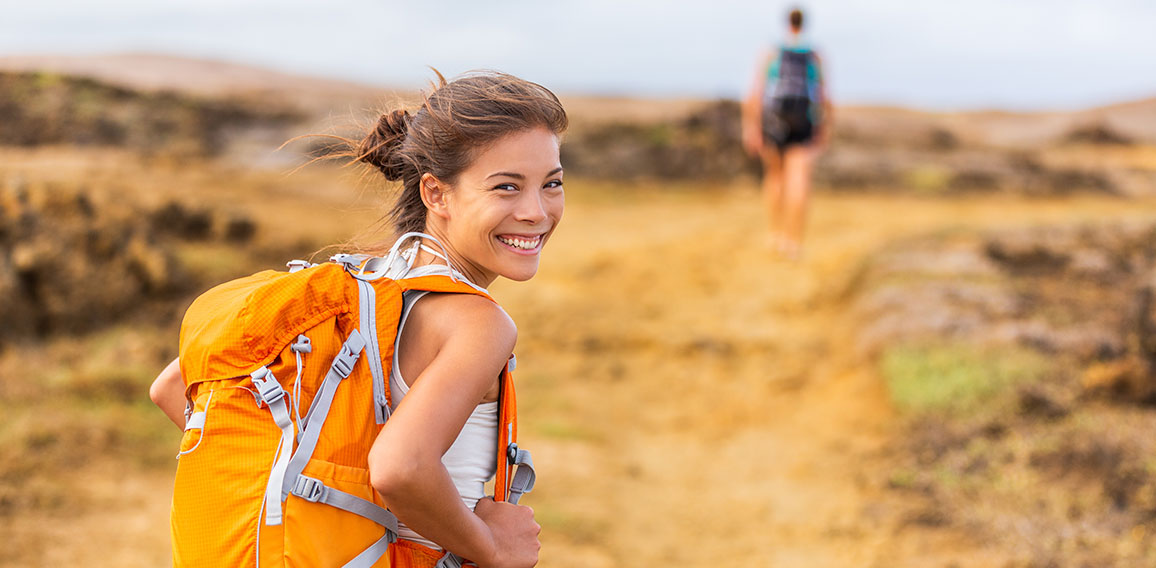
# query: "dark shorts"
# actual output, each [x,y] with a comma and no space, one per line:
[787,122]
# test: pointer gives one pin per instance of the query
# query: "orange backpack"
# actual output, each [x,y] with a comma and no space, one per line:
[287,377]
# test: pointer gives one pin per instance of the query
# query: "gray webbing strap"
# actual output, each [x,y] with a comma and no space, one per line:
[371,555]
[195,420]
[449,560]
[523,481]
[367,298]
[342,365]
[314,491]
[274,397]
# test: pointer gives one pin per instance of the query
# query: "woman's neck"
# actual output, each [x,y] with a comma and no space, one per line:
[474,273]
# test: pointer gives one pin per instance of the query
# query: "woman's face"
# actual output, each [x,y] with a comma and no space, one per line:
[504,207]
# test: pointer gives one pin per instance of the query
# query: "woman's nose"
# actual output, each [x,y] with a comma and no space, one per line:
[531,207]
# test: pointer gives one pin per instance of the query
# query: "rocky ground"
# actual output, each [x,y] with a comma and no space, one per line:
[1024,359]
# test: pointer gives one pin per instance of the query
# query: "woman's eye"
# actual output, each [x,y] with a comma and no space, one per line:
[507,187]
[554,183]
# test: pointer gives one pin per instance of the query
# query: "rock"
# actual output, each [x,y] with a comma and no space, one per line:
[1030,251]
[1146,318]
[177,219]
[1098,134]
[71,263]
[1035,400]
[240,229]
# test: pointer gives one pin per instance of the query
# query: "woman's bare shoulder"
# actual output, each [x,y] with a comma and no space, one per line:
[466,318]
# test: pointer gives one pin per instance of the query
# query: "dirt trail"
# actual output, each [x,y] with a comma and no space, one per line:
[735,421]
[689,399]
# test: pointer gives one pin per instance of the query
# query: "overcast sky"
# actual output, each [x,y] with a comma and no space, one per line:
[950,54]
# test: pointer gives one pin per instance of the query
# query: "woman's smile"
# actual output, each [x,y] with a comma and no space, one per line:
[522,244]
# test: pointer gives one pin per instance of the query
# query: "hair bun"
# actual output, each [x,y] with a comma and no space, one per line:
[379,148]
[393,123]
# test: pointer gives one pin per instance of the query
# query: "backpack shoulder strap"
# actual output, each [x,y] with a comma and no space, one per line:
[509,484]
[442,283]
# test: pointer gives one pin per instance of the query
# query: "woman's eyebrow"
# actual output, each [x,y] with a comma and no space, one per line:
[516,175]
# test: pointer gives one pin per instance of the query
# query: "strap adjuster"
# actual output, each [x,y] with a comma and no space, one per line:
[512,453]
[302,345]
[308,488]
[350,352]
[344,362]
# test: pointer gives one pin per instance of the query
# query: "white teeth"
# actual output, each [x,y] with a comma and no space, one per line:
[521,243]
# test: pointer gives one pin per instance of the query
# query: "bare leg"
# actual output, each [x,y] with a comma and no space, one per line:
[773,191]
[798,161]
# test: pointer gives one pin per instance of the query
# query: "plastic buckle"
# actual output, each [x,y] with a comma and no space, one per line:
[267,385]
[512,453]
[308,488]
[351,262]
[297,265]
[271,392]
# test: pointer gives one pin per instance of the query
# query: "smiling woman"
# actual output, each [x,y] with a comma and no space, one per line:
[479,164]
[481,195]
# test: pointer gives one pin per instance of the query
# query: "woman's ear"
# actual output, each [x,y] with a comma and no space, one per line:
[433,194]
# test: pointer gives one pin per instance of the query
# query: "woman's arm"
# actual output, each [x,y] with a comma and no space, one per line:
[168,392]
[752,109]
[827,114]
[473,338]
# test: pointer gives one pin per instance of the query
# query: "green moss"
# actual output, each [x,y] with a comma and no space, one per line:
[903,479]
[660,135]
[213,262]
[928,179]
[956,377]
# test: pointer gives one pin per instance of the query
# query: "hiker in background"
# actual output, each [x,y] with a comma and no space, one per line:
[787,123]
[481,194]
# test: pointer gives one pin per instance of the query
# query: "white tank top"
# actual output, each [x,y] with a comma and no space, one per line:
[470,460]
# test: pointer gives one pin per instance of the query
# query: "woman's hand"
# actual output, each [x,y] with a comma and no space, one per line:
[515,534]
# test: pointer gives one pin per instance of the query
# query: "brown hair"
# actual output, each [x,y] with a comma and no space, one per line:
[795,18]
[443,136]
